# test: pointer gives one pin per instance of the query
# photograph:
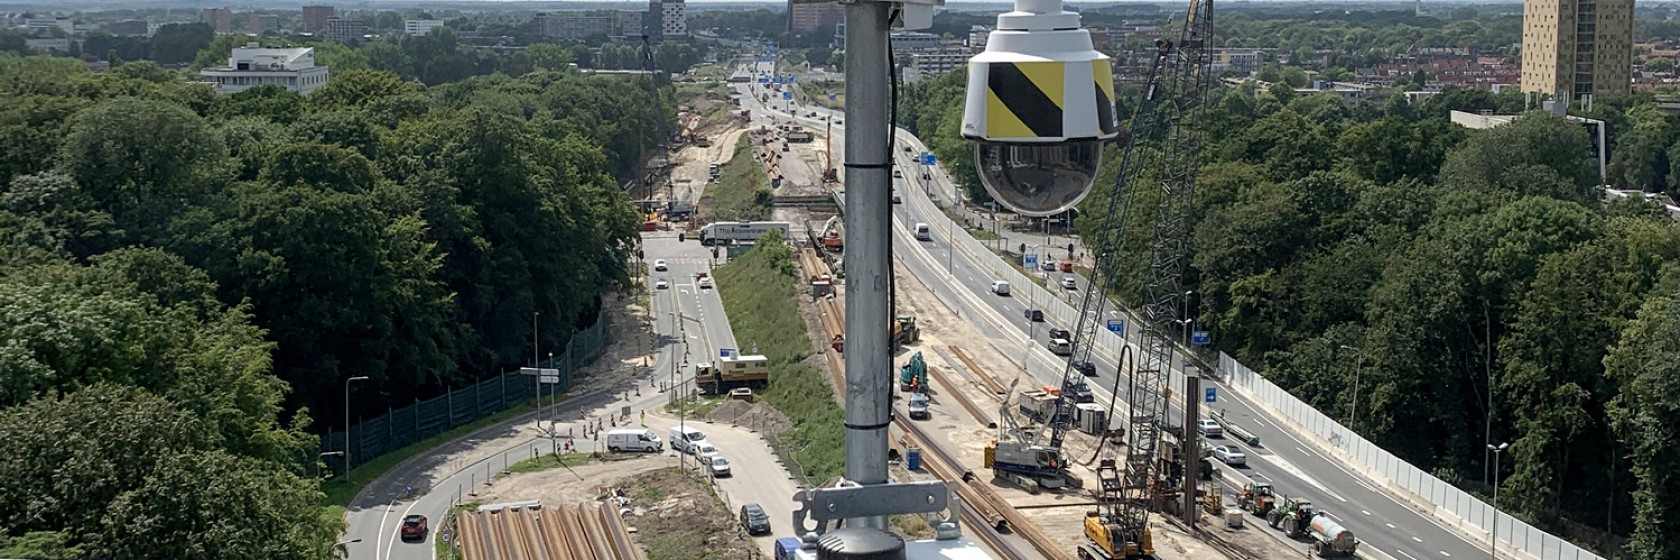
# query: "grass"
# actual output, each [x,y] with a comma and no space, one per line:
[545,462]
[742,192]
[915,526]
[698,407]
[340,491]
[817,92]
[982,234]
[760,295]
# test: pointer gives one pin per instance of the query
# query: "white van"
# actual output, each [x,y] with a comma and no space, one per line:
[633,439]
[922,232]
[683,437]
[1060,347]
[1000,287]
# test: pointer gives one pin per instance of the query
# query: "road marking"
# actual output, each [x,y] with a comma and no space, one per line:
[1367,486]
[1445,553]
[1417,539]
[1390,525]
[1334,516]
[396,533]
[1365,512]
[1403,553]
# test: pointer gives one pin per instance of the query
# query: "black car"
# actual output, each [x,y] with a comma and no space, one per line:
[1085,367]
[1035,315]
[1058,332]
[754,520]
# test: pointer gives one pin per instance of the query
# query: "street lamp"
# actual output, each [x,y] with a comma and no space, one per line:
[1493,539]
[1357,363]
[347,423]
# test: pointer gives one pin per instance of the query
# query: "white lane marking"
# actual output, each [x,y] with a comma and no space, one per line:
[396,533]
[1403,553]
[1417,539]
[1390,525]
[1445,553]
[1366,512]
[1367,486]
[380,530]
[1334,516]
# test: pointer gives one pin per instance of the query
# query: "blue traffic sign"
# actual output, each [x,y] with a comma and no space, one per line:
[1199,338]
[776,79]
[790,79]
[1117,326]
[1029,260]
[726,352]
[1212,395]
[787,95]
[832,96]
[763,80]
[928,159]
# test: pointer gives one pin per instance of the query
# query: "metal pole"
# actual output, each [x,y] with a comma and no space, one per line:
[347,423]
[868,274]
[1357,364]
[1493,538]
[535,363]
[1192,451]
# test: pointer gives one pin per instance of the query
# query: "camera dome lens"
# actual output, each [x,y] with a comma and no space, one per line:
[1038,179]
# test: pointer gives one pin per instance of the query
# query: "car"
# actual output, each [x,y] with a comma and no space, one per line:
[753,520]
[414,528]
[1035,315]
[898,174]
[1048,266]
[705,282]
[1060,346]
[1069,283]
[1085,367]
[999,287]
[1058,332]
[1230,455]
[897,199]
[919,407]
[1209,428]
[661,284]
[909,150]
[927,177]
[659,265]
[720,467]
[703,450]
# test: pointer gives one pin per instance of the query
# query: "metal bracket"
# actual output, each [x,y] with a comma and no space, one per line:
[828,506]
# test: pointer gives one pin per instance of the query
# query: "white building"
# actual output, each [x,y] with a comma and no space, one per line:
[933,64]
[252,66]
[419,27]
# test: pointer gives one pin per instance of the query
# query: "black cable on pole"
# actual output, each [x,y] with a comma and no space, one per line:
[892,137]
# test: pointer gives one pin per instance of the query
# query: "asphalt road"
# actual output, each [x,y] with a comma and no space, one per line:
[1293,466]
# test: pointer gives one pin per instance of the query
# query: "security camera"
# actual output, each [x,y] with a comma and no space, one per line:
[1040,105]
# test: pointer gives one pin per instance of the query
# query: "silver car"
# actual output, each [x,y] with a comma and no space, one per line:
[720,467]
[1230,455]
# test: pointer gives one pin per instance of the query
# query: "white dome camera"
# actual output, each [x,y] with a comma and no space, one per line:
[1039,106]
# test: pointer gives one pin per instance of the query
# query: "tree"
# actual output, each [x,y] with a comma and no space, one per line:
[140,161]
[1645,364]
[1659,65]
[358,88]
[549,56]
[1536,154]
[178,43]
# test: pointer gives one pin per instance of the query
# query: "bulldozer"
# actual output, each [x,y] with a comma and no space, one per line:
[1293,517]
[904,329]
[1257,498]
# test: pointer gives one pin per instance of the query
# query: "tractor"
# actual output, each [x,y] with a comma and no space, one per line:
[1257,498]
[1294,517]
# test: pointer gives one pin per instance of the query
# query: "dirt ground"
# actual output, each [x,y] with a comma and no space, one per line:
[673,517]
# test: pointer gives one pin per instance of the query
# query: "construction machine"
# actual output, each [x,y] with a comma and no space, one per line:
[1331,538]
[904,329]
[1104,533]
[833,236]
[913,377]
[1257,498]
[1293,517]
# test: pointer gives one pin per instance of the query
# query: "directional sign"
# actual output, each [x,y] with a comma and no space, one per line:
[1029,260]
[763,80]
[787,95]
[1117,326]
[726,352]
[1199,338]
[790,79]
[776,80]
[928,159]
[833,96]
[547,376]
[1212,395]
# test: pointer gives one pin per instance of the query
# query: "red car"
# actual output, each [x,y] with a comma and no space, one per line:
[414,528]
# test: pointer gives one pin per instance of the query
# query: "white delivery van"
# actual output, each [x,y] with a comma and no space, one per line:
[1000,287]
[683,437]
[922,232]
[633,439]
[1060,347]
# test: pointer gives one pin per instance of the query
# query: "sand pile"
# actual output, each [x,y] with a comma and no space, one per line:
[727,412]
[765,419]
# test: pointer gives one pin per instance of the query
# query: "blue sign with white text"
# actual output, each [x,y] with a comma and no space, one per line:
[1212,395]
[787,95]
[1029,260]
[831,96]
[928,159]
[1199,338]
[1117,326]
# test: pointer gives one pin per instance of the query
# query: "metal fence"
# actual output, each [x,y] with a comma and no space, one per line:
[1426,491]
[401,427]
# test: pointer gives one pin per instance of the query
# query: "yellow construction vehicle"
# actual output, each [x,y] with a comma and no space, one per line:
[904,329]
[1105,534]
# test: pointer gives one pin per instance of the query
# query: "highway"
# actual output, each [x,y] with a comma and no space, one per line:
[1293,466]
[375,516]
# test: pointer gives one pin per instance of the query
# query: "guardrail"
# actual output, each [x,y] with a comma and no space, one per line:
[1426,492]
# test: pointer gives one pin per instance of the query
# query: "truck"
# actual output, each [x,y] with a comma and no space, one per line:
[1257,498]
[1293,517]
[736,232]
[730,372]
[904,329]
[1331,538]
[800,137]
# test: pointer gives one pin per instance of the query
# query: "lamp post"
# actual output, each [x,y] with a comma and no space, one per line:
[1493,538]
[347,423]
[1357,363]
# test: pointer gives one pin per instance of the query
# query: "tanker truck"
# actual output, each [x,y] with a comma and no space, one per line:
[1330,538]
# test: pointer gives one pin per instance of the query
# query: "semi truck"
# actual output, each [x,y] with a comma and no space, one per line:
[737,232]
[730,372]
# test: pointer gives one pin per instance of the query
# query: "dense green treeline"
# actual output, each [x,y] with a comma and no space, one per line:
[186,279]
[1447,270]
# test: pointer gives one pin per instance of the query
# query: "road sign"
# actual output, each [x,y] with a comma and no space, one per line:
[1117,326]
[1212,395]
[1199,338]
[832,96]
[763,80]
[1029,261]
[726,352]
[928,159]
[548,376]
[790,79]
[787,95]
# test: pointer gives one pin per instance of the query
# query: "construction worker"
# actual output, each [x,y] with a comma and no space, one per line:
[644,418]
